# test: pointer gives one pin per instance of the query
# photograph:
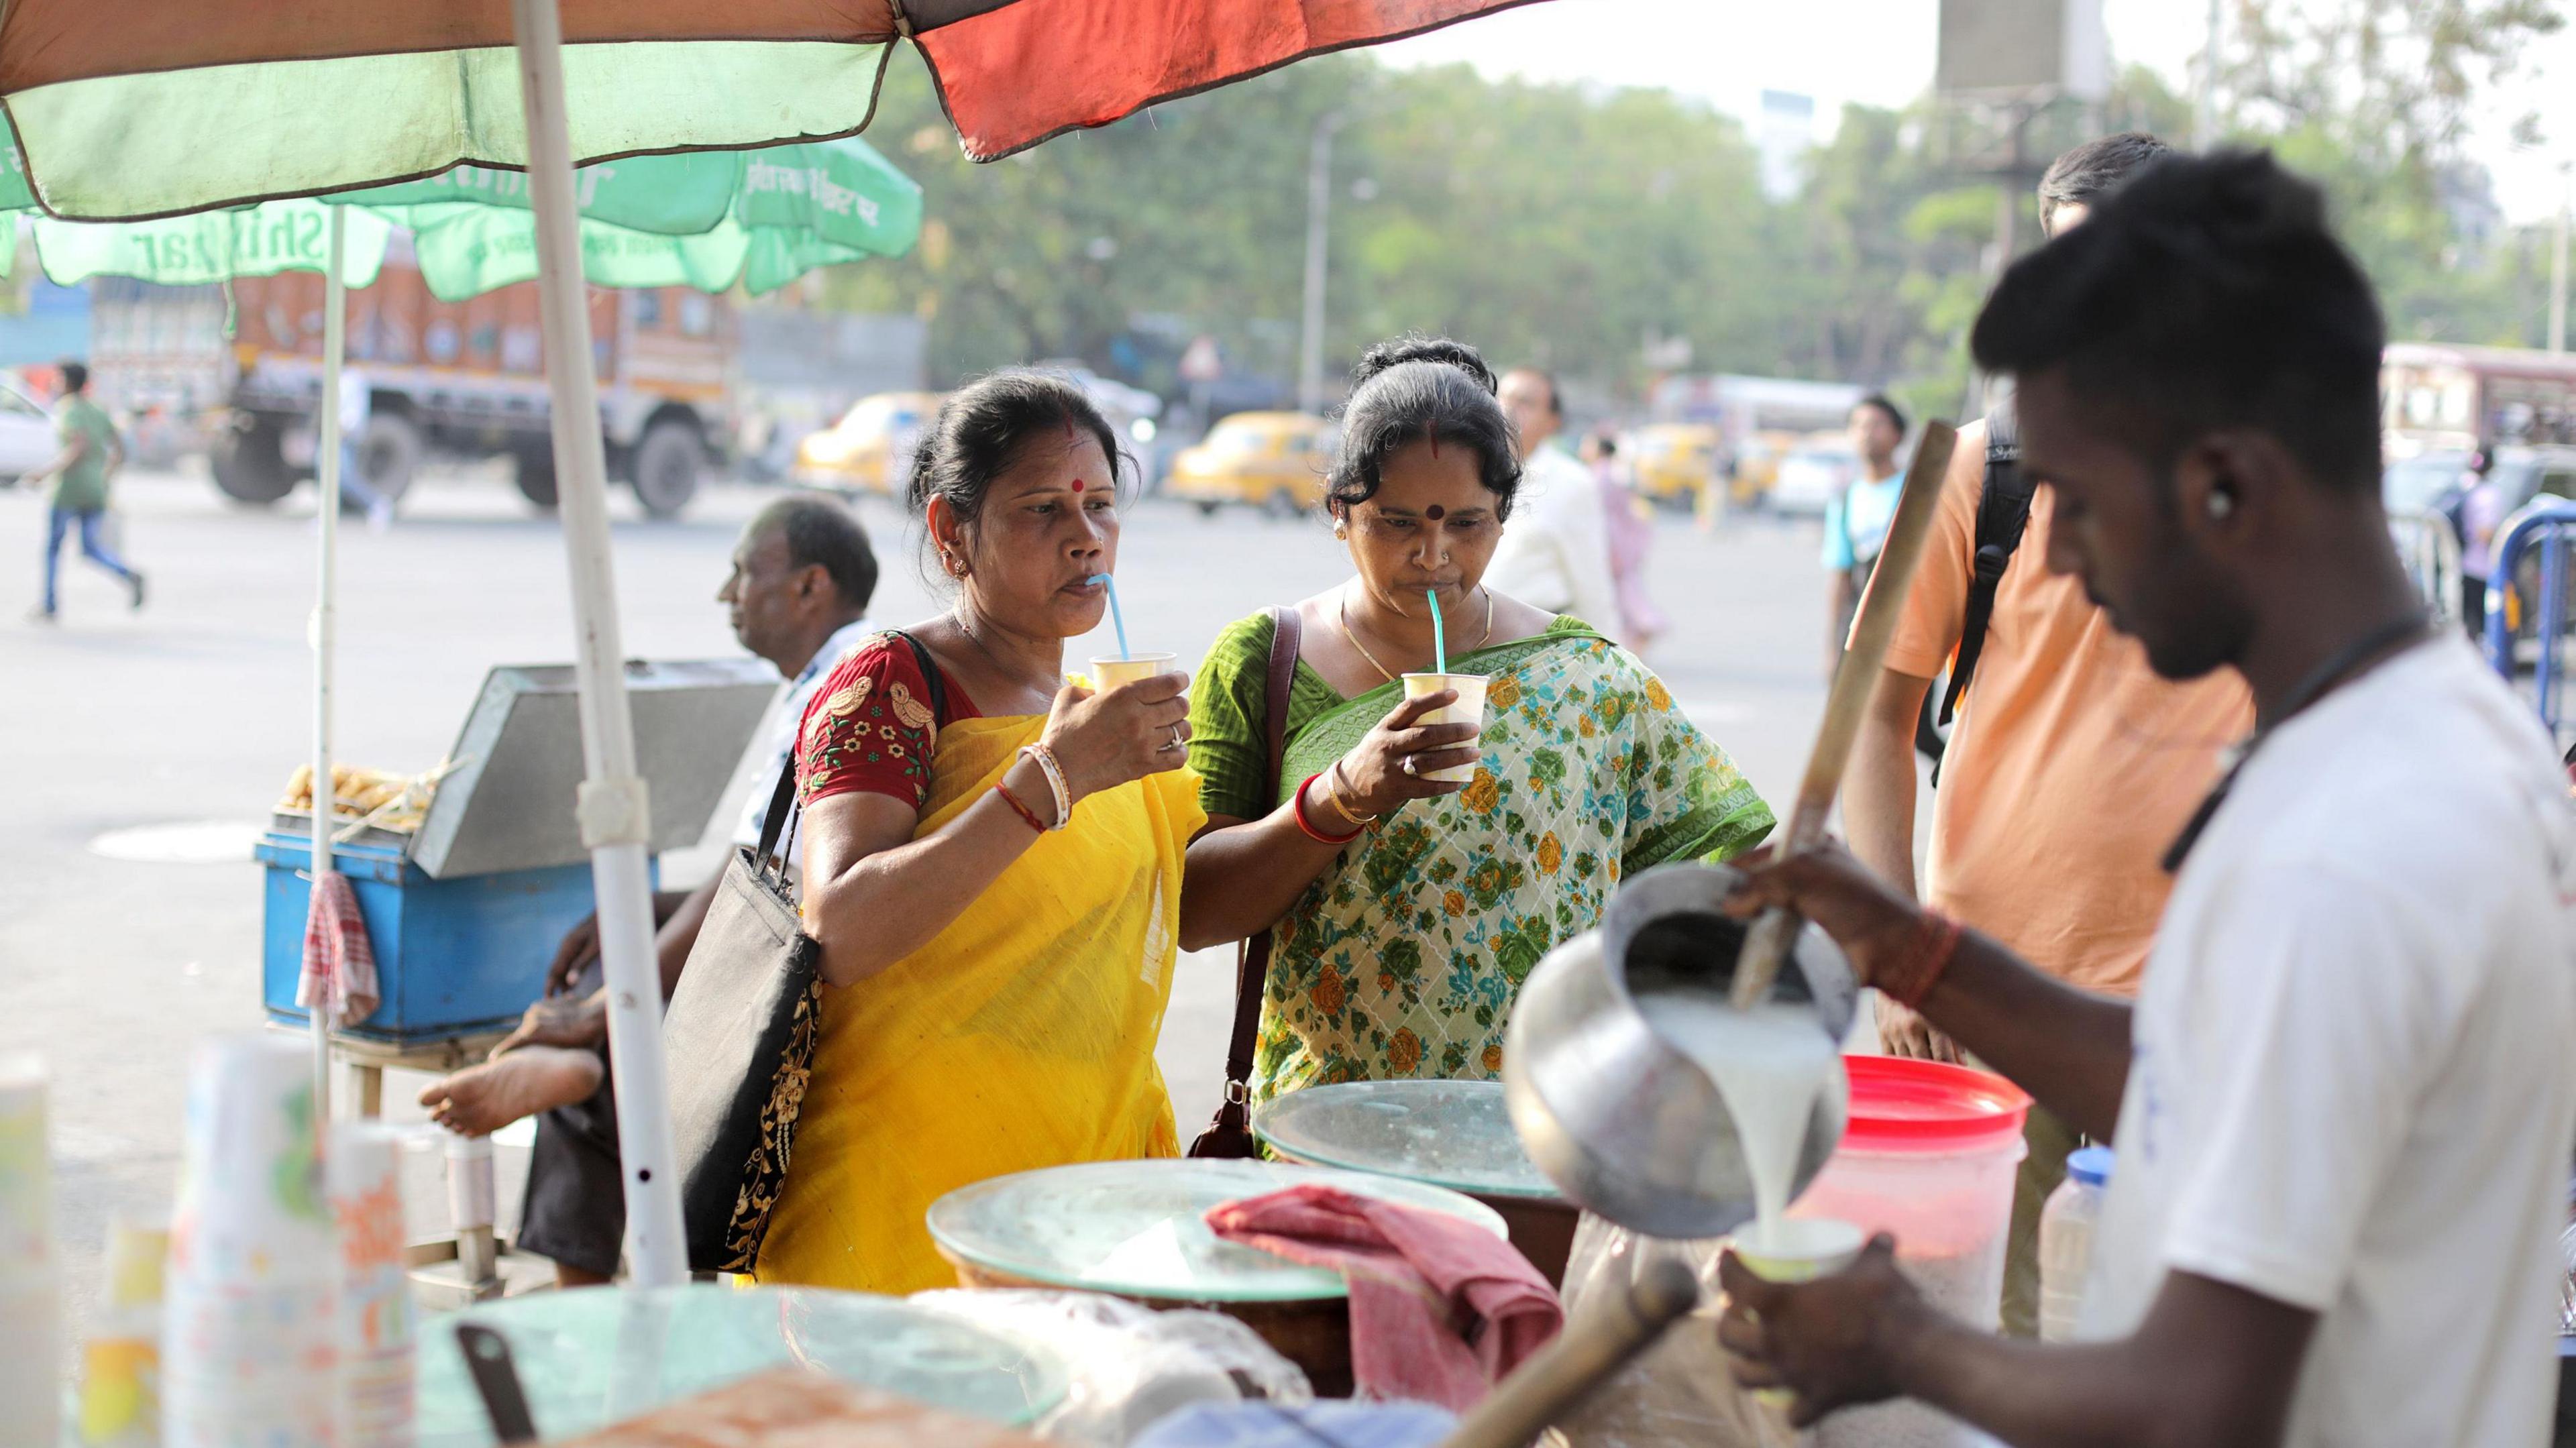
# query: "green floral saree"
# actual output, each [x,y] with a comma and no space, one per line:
[1403,958]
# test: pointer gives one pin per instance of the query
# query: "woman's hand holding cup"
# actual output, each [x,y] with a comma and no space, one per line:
[1374,777]
[1104,739]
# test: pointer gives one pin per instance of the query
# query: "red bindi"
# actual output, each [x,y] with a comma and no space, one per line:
[1077,485]
[1435,512]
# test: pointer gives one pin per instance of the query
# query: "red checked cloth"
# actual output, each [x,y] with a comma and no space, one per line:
[337,958]
[1441,1309]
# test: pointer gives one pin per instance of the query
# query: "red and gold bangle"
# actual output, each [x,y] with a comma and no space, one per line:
[1022,810]
[1297,806]
[1927,958]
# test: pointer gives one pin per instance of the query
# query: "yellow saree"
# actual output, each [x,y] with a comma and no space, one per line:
[1021,1037]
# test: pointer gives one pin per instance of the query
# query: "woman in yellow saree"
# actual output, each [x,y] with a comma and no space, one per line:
[992,862]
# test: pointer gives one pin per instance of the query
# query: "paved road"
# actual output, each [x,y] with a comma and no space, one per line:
[197,709]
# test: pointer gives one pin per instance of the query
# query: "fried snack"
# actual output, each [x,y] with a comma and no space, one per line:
[380,797]
[794,1408]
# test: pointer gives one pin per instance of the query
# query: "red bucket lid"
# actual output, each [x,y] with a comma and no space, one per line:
[1899,1104]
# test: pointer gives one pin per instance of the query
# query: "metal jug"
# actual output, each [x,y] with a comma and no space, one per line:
[1623,1123]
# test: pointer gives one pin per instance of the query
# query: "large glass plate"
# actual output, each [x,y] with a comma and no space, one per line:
[1134,1227]
[598,1356]
[1453,1134]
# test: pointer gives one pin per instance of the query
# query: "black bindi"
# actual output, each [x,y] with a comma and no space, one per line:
[1435,512]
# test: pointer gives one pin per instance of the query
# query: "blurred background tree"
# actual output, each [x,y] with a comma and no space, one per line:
[1606,233]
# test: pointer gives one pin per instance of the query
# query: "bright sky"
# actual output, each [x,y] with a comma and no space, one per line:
[1880,52]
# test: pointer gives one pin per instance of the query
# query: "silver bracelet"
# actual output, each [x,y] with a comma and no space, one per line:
[1055,782]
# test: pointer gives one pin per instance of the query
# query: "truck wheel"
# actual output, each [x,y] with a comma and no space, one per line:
[389,454]
[248,464]
[667,464]
[534,472]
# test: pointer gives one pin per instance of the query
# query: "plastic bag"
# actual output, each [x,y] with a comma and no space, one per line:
[1130,1365]
[1679,1390]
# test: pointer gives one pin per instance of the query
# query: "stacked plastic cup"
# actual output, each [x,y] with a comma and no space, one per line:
[378,1338]
[120,1356]
[250,1346]
[30,1296]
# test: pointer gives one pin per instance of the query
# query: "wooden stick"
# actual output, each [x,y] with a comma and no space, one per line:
[1581,1361]
[1766,945]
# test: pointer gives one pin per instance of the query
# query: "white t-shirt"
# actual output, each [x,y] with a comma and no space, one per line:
[1555,551]
[2353,1087]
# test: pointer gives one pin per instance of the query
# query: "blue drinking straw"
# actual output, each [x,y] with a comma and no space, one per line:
[1439,638]
[1116,618]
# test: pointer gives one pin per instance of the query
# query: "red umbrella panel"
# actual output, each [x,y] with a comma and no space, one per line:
[115,104]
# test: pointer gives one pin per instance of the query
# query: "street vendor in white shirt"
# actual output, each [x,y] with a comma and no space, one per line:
[803,574]
[2343,1106]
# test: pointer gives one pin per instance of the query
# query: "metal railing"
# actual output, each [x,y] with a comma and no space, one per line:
[2548,525]
[2430,550]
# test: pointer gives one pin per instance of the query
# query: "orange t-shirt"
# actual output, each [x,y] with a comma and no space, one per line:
[2073,766]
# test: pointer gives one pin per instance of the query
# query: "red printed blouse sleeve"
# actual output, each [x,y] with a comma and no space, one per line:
[870,727]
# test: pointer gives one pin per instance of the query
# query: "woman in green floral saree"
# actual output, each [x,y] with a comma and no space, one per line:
[1407,911]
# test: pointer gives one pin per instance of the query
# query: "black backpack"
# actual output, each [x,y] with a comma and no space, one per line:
[2003,511]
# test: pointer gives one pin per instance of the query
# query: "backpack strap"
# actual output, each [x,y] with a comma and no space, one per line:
[1231,1135]
[2003,511]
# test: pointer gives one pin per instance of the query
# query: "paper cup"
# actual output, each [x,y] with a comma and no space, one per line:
[252,1204]
[378,1334]
[1798,1249]
[1108,674]
[26,1173]
[1470,709]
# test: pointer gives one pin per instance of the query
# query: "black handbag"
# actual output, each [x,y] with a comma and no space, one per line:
[740,1034]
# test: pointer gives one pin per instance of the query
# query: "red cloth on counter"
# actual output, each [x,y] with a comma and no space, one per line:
[1441,1308]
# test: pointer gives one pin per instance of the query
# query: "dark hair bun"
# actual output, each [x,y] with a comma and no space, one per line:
[1396,351]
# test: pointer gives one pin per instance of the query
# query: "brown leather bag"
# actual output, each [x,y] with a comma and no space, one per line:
[1230,1134]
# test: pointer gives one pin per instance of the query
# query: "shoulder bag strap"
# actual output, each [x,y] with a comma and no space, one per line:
[2003,511]
[786,812]
[1252,960]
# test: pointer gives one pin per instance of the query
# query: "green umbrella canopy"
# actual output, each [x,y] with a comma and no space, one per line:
[792,208]
[213,246]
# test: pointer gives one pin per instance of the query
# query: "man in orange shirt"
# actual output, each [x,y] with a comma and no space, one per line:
[2072,768]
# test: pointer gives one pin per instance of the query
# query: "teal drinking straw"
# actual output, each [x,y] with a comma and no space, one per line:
[1439,638]
[1116,618]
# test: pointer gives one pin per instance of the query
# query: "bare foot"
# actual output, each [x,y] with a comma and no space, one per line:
[482,1099]
[559,1021]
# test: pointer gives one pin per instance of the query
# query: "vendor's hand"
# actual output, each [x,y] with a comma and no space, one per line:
[1829,1342]
[1374,781]
[575,955]
[559,1021]
[1103,740]
[1904,1032]
[1873,923]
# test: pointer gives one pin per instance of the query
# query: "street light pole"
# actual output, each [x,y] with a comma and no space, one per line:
[2558,269]
[2204,109]
[1319,212]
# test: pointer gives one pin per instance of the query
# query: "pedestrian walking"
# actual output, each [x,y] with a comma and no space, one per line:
[2072,763]
[357,405]
[2341,1104]
[2476,509]
[1858,517]
[1630,527]
[92,452]
[1420,870]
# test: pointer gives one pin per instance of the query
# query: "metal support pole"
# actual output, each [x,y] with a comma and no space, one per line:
[1319,211]
[326,614]
[612,805]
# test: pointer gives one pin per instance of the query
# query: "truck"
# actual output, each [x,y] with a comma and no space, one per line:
[462,380]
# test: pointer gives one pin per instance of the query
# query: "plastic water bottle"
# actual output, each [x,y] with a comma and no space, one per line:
[2066,1240]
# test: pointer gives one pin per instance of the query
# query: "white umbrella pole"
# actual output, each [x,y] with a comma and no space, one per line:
[326,609]
[614,817]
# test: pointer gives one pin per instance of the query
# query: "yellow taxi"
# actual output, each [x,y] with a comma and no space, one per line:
[1273,460]
[1757,466]
[870,448]
[1672,462]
